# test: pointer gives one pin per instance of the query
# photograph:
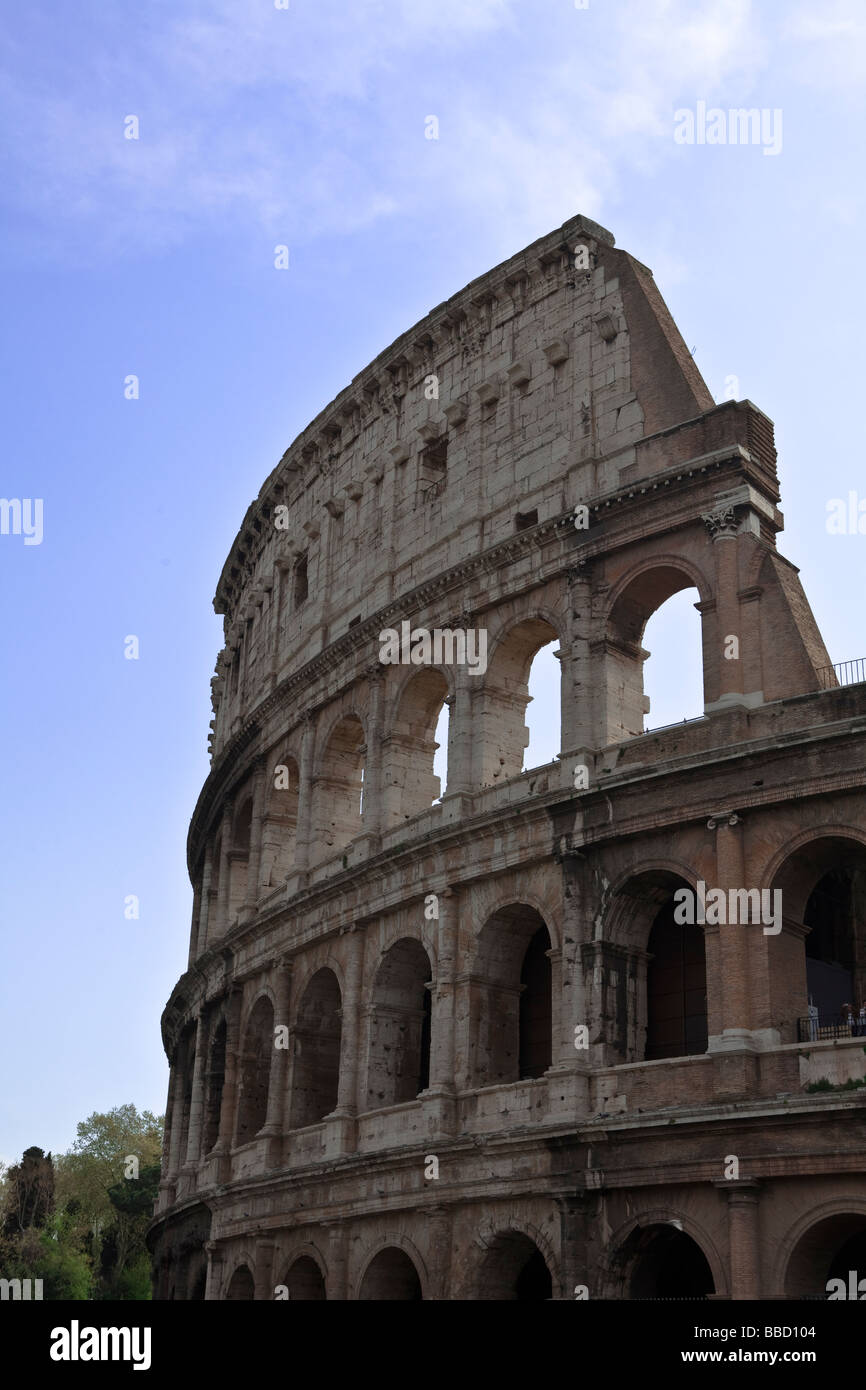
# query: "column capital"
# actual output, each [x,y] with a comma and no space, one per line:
[721,522]
[722,818]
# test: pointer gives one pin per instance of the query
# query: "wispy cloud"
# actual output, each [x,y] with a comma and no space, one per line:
[295,124]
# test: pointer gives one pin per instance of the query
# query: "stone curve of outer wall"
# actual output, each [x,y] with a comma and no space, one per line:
[423,1047]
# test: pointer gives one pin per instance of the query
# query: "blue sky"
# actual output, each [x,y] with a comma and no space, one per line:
[155,257]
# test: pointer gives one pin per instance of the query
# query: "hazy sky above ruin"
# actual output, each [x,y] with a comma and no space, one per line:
[306,127]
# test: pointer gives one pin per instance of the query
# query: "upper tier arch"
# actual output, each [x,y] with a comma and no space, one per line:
[522,395]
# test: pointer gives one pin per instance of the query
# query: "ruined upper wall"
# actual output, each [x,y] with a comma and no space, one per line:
[520,397]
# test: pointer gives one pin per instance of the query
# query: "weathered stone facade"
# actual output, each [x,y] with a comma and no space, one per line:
[617,1103]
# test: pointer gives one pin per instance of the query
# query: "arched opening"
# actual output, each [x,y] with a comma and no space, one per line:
[442,740]
[625,699]
[391,1275]
[536,1018]
[399,1067]
[819,974]
[645,982]
[544,712]
[514,1270]
[339,789]
[317,1050]
[676,988]
[831,1249]
[280,824]
[255,1070]
[239,858]
[305,1280]
[673,674]
[410,748]
[830,948]
[214,1083]
[510,999]
[660,1261]
[503,702]
[241,1286]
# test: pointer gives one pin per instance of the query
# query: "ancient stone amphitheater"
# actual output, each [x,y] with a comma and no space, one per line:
[454,1042]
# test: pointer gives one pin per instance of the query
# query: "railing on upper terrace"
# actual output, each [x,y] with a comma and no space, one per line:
[677,724]
[829,1026]
[843,673]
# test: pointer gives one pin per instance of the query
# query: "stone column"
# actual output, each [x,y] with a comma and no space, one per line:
[255,854]
[304,832]
[196,1107]
[264,1275]
[722,526]
[574,1273]
[275,1125]
[278,588]
[222,912]
[439,1251]
[175,1158]
[442,1083]
[442,1030]
[572,999]
[338,1262]
[194,924]
[578,713]
[204,904]
[743,1235]
[733,940]
[347,1090]
[461,770]
[558,1022]
[213,1287]
[228,1104]
[166,1182]
[373,770]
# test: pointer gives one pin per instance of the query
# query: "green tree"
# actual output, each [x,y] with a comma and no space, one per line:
[111,1174]
[29,1192]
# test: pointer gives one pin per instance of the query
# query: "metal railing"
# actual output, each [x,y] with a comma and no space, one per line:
[843,673]
[677,724]
[829,1026]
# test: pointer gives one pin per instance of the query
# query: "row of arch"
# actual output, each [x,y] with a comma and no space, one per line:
[440,732]
[513,1036]
[653,996]
[657,1260]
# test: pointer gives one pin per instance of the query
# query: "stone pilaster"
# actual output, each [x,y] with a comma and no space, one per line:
[347,1090]
[228,1105]
[175,1157]
[577,686]
[255,854]
[305,798]
[442,1088]
[205,900]
[166,1183]
[374,776]
[276,1120]
[196,1108]
[744,1237]
[222,913]
[338,1262]
[215,1265]
[264,1275]
[438,1220]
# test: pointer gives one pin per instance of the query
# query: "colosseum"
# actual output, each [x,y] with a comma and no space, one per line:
[583,1030]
